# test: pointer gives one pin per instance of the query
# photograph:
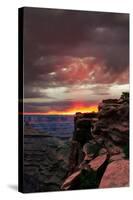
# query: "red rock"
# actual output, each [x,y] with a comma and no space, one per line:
[97,162]
[70,179]
[117,157]
[116,175]
[94,164]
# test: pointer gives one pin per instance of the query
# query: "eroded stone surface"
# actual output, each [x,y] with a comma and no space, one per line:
[116,175]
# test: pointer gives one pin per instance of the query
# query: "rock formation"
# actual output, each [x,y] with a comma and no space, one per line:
[99,156]
[96,157]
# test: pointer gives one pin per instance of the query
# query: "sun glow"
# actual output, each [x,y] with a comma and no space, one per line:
[69,111]
[72,111]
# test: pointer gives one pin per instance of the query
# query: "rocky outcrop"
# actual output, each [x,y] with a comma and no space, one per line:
[82,128]
[99,155]
[112,127]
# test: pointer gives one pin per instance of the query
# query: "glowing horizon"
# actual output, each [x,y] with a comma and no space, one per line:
[70,111]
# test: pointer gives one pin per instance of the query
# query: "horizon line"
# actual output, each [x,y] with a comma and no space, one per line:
[30,113]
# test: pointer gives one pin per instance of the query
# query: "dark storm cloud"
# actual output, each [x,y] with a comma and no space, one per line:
[55,39]
[51,32]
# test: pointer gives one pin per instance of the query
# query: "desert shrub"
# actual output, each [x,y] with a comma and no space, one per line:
[125,95]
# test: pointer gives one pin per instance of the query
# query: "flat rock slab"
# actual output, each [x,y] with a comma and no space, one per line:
[97,162]
[116,175]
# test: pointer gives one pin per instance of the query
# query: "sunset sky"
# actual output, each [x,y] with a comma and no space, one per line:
[73,59]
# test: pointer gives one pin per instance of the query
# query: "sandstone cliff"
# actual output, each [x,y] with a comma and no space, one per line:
[99,156]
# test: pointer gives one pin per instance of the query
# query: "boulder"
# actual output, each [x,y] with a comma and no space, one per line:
[116,175]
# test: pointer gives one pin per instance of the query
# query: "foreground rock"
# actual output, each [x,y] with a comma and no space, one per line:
[88,175]
[99,156]
[116,175]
